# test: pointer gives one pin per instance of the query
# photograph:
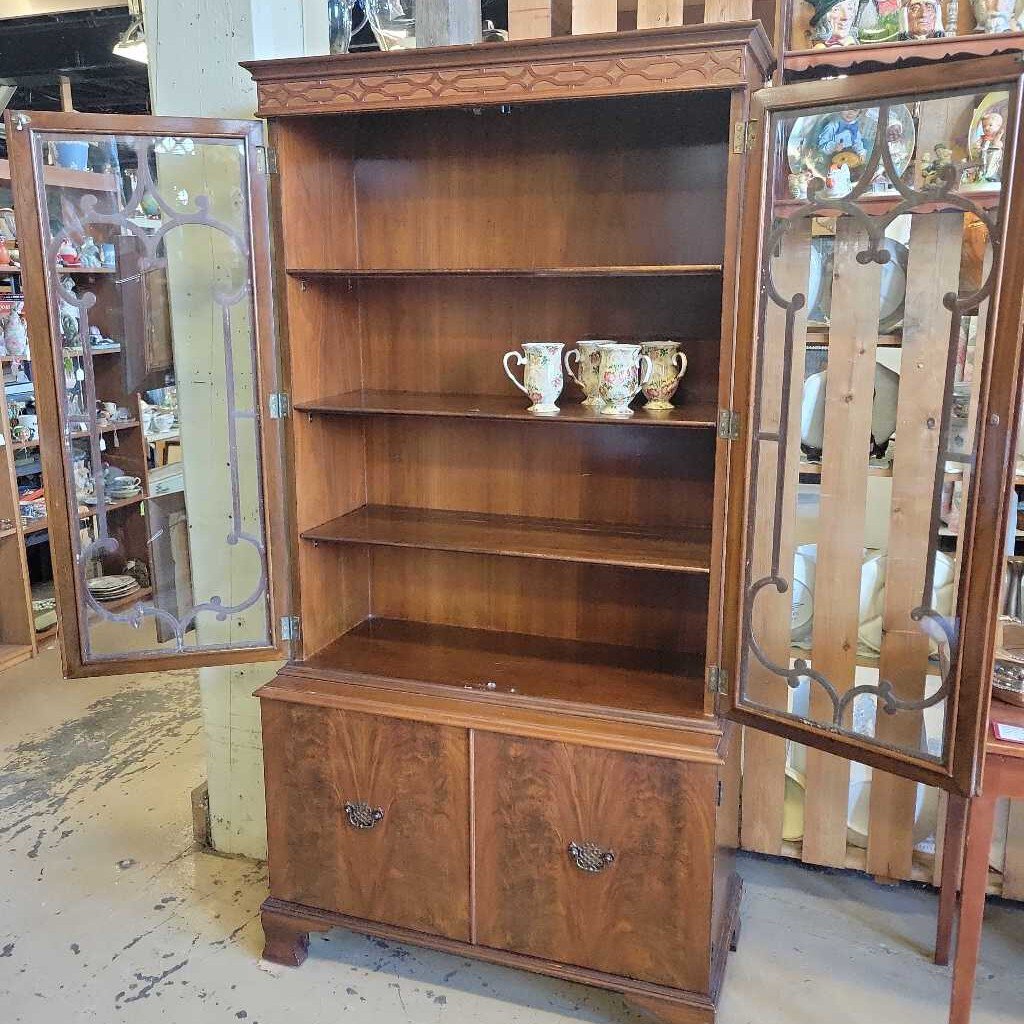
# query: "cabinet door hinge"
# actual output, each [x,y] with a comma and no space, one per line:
[744,135]
[728,424]
[291,628]
[266,160]
[278,405]
[721,788]
[718,679]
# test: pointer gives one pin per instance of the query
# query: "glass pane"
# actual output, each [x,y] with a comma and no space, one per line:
[150,280]
[882,230]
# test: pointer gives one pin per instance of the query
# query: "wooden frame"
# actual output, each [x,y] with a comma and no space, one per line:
[29,195]
[1000,399]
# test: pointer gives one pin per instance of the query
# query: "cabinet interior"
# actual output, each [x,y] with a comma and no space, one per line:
[446,536]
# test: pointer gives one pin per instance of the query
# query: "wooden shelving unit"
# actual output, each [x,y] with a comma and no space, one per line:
[654,270]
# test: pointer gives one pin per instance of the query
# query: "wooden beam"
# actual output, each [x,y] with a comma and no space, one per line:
[727,10]
[594,16]
[659,13]
[529,19]
[447,22]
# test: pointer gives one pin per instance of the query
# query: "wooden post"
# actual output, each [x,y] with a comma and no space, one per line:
[447,22]
[594,16]
[66,102]
[727,10]
[659,13]
[529,19]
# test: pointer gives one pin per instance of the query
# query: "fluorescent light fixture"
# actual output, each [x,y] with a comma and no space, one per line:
[132,44]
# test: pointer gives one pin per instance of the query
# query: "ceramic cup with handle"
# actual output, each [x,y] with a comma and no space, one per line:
[624,371]
[668,365]
[588,370]
[125,484]
[542,374]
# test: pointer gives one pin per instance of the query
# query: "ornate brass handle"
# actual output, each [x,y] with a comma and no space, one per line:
[362,815]
[590,857]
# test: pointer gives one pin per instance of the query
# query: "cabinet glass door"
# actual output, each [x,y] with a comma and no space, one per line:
[144,249]
[878,414]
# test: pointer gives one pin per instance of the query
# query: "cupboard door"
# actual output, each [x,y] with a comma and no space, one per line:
[368,816]
[595,858]
[144,244]
[880,404]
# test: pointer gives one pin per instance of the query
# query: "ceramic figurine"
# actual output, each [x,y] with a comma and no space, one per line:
[588,367]
[937,167]
[67,254]
[668,365]
[5,254]
[624,371]
[16,334]
[798,183]
[542,376]
[997,15]
[833,23]
[921,19]
[90,253]
[839,181]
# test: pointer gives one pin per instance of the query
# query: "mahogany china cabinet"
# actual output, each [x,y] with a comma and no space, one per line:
[517,644]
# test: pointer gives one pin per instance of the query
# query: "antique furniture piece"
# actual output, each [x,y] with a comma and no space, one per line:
[516,641]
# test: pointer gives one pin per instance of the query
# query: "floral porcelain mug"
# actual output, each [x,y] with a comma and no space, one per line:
[623,374]
[588,370]
[668,365]
[542,374]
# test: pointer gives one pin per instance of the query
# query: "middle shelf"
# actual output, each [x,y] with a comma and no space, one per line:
[675,549]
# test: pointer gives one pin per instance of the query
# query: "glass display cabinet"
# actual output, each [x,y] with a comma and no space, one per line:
[517,641]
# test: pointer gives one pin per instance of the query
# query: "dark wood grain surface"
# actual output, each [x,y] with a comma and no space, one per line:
[409,869]
[646,915]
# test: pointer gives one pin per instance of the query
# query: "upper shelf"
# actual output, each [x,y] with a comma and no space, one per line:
[676,549]
[64,177]
[652,270]
[878,204]
[698,412]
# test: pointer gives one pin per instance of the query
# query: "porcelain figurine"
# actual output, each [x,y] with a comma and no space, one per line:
[989,144]
[921,19]
[67,254]
[997,15]
[542,374]
[839,181]
[798,183]
[624,371]
[588,371]
[16,334]
[668,365]
[90,253]
[937,167]
[833,23]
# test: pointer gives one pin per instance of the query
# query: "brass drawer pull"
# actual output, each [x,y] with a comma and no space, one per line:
[362,815]
[590,857]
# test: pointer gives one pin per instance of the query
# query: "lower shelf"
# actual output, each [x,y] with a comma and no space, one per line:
[13,654]
[567,672]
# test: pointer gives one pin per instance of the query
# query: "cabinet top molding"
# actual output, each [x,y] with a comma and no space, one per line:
[610,64]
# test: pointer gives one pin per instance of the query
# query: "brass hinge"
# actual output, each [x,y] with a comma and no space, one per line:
[744,135]
[266,160]
[718,679]
[279,405]
[728,424]
[291,628]
[21,121]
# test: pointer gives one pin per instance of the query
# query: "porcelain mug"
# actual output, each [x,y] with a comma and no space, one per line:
[125,484]
[668,365]
[588,370]
[542,376]
[622,377]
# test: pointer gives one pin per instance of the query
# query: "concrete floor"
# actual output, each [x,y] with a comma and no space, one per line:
[108,912]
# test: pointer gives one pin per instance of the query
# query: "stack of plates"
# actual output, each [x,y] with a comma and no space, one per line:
[112,588]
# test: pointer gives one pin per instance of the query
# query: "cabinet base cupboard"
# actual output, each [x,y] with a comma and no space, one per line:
[518,643]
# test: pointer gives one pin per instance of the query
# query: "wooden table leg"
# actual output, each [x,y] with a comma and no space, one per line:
[952,860]
[980,820]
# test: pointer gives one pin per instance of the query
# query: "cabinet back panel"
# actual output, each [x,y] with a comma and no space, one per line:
[632,607]
[611,473]
[450,188]
[449,334]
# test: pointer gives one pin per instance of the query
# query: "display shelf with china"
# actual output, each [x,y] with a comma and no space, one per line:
[525,620]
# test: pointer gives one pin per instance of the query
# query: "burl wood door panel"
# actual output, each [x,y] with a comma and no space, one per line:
[369,816]
[644,914]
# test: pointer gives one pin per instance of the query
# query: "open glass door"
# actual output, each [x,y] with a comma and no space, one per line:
[880,407]
[145,253]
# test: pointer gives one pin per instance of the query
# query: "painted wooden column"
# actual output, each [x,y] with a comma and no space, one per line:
[195,48]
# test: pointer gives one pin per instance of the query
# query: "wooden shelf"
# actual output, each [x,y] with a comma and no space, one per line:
[814,469]
[524,669]
[878,204]
[519,536]
[38,525]
[110,428]
[13,654]
[693,413]
[818,334]
[127,601]
[4,534]
[64,177]
[908,51]
[641,270]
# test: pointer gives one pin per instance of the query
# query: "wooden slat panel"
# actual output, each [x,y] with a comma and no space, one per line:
[934,270]
[1013,869]
[764,757]
[659,13]
[594,16]
[844,485]
[727,10]
[529,19]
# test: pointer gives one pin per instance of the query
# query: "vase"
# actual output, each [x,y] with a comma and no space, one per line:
[542,374]
[588,371]
[668,365]
[393,23]
[624,371]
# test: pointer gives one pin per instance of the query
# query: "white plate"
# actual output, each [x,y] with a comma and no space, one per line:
[883,407]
